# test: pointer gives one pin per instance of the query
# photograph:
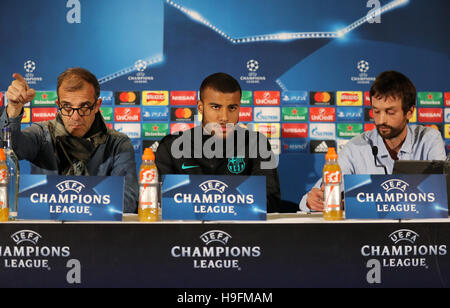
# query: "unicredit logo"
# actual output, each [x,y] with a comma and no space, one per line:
[322,114]
[128,114]
[267,97]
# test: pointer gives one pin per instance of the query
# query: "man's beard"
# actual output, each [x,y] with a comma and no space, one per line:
[394,132]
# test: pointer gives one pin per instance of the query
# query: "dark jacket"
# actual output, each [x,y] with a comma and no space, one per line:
[241,157]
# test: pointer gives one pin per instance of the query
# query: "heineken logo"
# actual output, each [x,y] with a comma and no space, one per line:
[429,98]
[247,98]
[155,129]
[45,98]
[346,130]
[295,113]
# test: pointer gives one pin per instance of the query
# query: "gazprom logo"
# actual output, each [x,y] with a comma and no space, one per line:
[215,236]
[404,235]
[26,236]
[213,185]
[70,185]
[395,184]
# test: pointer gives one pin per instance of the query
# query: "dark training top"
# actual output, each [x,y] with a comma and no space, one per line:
[202,155]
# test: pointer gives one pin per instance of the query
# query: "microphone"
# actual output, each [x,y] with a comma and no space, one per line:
[375,153]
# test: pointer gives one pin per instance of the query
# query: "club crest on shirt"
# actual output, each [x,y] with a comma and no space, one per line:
[236,165]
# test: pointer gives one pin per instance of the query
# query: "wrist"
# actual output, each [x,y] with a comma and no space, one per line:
[13,112]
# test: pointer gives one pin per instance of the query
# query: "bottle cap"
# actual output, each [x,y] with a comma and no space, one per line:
[2,155]
[148,154]
[331,154]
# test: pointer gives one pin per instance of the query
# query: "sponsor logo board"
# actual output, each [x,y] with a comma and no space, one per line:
[127,98]
[43,114]
[349,98]
[267,114]
[183,98]
[322,114]
[322,131]
[297,130]
[155,98]
[267,98]
[127,114]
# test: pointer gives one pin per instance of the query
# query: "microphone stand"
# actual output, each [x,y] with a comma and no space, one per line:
[375,153]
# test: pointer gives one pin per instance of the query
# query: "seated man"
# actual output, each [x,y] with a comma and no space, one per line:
[77,142]
[201,150]
[393,98]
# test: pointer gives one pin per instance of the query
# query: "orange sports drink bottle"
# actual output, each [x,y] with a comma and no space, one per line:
[148,188]
[332,179]
[4,181]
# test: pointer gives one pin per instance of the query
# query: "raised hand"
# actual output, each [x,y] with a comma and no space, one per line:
[18,94]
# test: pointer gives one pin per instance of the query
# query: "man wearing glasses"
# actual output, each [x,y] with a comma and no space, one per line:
[77,142]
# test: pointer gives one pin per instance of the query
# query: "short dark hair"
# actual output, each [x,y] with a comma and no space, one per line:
[78,74]
[220,82]
[396,85]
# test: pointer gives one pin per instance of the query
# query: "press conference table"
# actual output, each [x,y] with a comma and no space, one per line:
[287,250]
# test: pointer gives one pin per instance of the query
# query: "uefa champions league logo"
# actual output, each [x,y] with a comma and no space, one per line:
[140,78]
[26,236]
[215,236]
[404,235]
[140,65]
[29,66]
[252,77]
[363,66]
[217,253]
[402,251]
[252,65]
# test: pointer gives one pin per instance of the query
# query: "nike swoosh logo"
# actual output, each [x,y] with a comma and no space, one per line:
[188,167]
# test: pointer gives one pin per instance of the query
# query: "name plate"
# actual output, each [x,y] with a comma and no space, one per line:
[69,198]
[397,196]
[207,197]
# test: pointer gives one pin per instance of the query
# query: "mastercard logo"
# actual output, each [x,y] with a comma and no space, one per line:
[183,113]
[322,97]
[127,97]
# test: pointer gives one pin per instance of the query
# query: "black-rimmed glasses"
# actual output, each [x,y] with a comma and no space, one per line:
[82,111]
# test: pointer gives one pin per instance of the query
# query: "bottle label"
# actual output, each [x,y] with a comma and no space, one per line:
[332,177]
[3,175]
[148,196]
[3,198]
[148,176]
